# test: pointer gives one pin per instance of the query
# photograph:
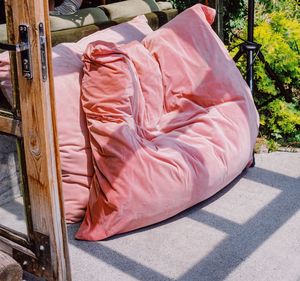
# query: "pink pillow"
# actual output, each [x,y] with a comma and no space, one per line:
[74,146]
[136,29]
[5,82]
[171,123]
[75,151]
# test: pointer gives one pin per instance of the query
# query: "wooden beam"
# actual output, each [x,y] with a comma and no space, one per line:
[8,246]
[39,135]
[10,126]
[10,270]
[14,236]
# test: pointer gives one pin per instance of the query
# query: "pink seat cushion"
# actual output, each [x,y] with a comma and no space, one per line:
[75,150]
[171,122]
[74,145]
[5,82]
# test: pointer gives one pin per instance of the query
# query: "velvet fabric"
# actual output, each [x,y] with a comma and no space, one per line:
[74,145]
[73,136]
[5,82]
[171,122]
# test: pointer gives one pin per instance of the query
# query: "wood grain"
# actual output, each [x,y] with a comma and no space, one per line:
[10,126]
[10,270]
[40,138]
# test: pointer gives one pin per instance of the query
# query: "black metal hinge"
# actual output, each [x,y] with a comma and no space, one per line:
[24,49]
[43,51]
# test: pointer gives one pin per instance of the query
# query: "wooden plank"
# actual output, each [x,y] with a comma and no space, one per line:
[10,270]
[4,247]
[58,202]
[10,126]
[40,139]
[9,246]
[14,236]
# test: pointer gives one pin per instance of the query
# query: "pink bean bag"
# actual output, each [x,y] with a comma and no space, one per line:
[171,122]
[74,145]
[5,83]
[73,136]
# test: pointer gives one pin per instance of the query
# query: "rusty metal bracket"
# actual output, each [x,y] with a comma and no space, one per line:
[39,262]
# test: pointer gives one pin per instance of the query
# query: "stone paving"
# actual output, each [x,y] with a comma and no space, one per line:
[248,231]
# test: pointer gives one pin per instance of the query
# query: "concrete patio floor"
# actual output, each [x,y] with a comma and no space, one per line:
[248,231]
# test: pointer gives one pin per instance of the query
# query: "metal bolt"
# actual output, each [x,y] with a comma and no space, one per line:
[27,75]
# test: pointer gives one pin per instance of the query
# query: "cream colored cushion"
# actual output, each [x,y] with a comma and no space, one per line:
[130,8]
[81,18]
[165,5]
[3,34]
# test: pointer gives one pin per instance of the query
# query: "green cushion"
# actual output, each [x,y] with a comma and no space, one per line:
[130,8]
[75,34]
[158,19]
[82,17]
[155,19]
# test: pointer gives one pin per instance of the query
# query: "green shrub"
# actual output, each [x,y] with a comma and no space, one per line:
[278,31]
[280,121]
[183,4]
[278,100]
[235,16]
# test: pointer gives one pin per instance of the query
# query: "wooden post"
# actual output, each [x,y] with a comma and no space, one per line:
[10,270]
[39,136]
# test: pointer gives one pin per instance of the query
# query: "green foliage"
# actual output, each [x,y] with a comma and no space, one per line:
[183,4]
[278,31]
[279,120]
[272,145]
[279,37]
[235,13]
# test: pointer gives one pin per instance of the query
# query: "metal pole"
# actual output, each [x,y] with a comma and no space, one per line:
[249,77]
[220,14]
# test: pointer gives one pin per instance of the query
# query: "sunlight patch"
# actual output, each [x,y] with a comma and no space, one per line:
[170,249]
[277,258]
[243,202]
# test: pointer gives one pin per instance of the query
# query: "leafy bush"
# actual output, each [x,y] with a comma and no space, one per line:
[235,14]
[183,4]
[277,29]
[278,97]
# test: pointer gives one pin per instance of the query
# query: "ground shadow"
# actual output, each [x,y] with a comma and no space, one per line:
[115,259]
[242,239]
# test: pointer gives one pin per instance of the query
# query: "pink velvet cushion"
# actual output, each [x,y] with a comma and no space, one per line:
[5,82]
[74,146]
[75,151]
[136,29]
[171,122]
